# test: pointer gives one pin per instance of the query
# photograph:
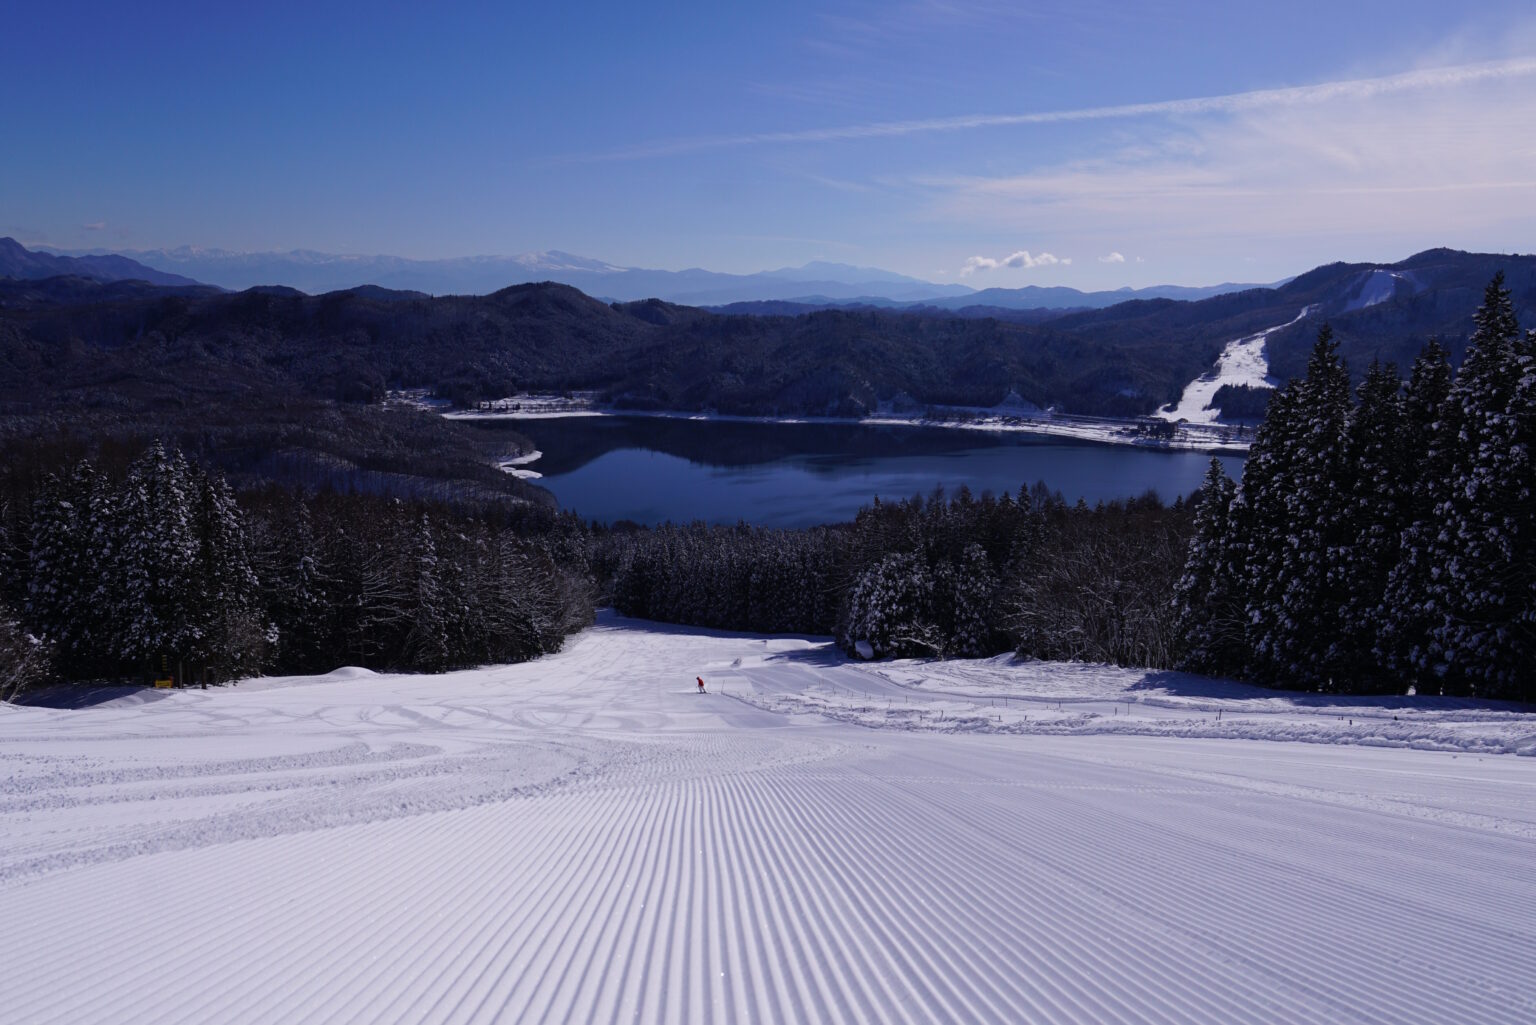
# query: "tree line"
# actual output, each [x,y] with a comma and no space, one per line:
[161,571]
[1381,540]
[927,577]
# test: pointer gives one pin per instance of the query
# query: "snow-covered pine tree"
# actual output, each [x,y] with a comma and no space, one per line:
[774,602]
[13,555]
[889,609]
[1482,551]
[635,576]
[384,572]
[516,615]
[26,660]
[153,568]
[348,566]
[1406,616]
[232,635]
[1373,519]
[465,557]
[293,577]
[67,558]
[972,600]
[1292,598]
[426,639]
[1208,598]
[1258,524]
[1522,586]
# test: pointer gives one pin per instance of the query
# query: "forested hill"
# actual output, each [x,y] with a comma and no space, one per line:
[63,340]
[547,337]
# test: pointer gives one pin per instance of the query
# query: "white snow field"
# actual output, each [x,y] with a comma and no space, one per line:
[586,839]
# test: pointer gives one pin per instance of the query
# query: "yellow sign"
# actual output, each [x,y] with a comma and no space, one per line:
[165,682]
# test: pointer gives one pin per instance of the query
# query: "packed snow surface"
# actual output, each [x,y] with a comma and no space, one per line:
[1242,362]
[585,838]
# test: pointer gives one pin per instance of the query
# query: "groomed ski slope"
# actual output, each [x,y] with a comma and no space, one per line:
[1243,363]
[585,839]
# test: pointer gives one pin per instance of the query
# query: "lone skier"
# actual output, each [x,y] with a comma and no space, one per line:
[701,684]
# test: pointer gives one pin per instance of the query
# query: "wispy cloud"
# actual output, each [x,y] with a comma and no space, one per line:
[1113,258]
[95,226]
[1019,259]
[1356,89]
[1455,166]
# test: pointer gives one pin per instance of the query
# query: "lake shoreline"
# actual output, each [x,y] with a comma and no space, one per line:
[1133,433]
[656,469]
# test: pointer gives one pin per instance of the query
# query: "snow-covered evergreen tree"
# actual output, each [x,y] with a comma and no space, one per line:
[518,619]
[972,587]
[889,610]
[1258,520]
[231,635]
[153,572]
[1208,599]
[1288,516]
[1376,496]
[296,590]
[26,659]
[1483,550]
[68,559]
[1406,616]
[426,638]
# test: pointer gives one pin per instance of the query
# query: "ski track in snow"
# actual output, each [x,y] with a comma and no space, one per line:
[1242,362]
[584,839]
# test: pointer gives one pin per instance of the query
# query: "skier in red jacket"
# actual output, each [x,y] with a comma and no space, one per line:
[701,684]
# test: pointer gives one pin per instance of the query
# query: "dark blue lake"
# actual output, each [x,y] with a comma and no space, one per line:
[651,470]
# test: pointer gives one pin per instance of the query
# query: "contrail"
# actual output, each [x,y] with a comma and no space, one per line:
[1359,88]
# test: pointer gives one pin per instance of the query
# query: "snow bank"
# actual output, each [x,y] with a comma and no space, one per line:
[1010,696]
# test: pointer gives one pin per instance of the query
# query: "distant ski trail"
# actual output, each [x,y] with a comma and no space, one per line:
[1243,362]
[661,856]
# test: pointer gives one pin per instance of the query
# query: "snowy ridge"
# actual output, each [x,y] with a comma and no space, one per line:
[585,839]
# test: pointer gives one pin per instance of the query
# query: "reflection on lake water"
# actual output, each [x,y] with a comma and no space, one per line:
[651,470]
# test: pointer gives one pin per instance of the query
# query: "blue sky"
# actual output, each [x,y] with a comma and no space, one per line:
[988,143]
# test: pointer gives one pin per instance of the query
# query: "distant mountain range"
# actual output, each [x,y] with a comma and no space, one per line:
[16,261]
[273,384]
[316,273]
[1124,360]
[1028,303]
[1117,352]
[815,285]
